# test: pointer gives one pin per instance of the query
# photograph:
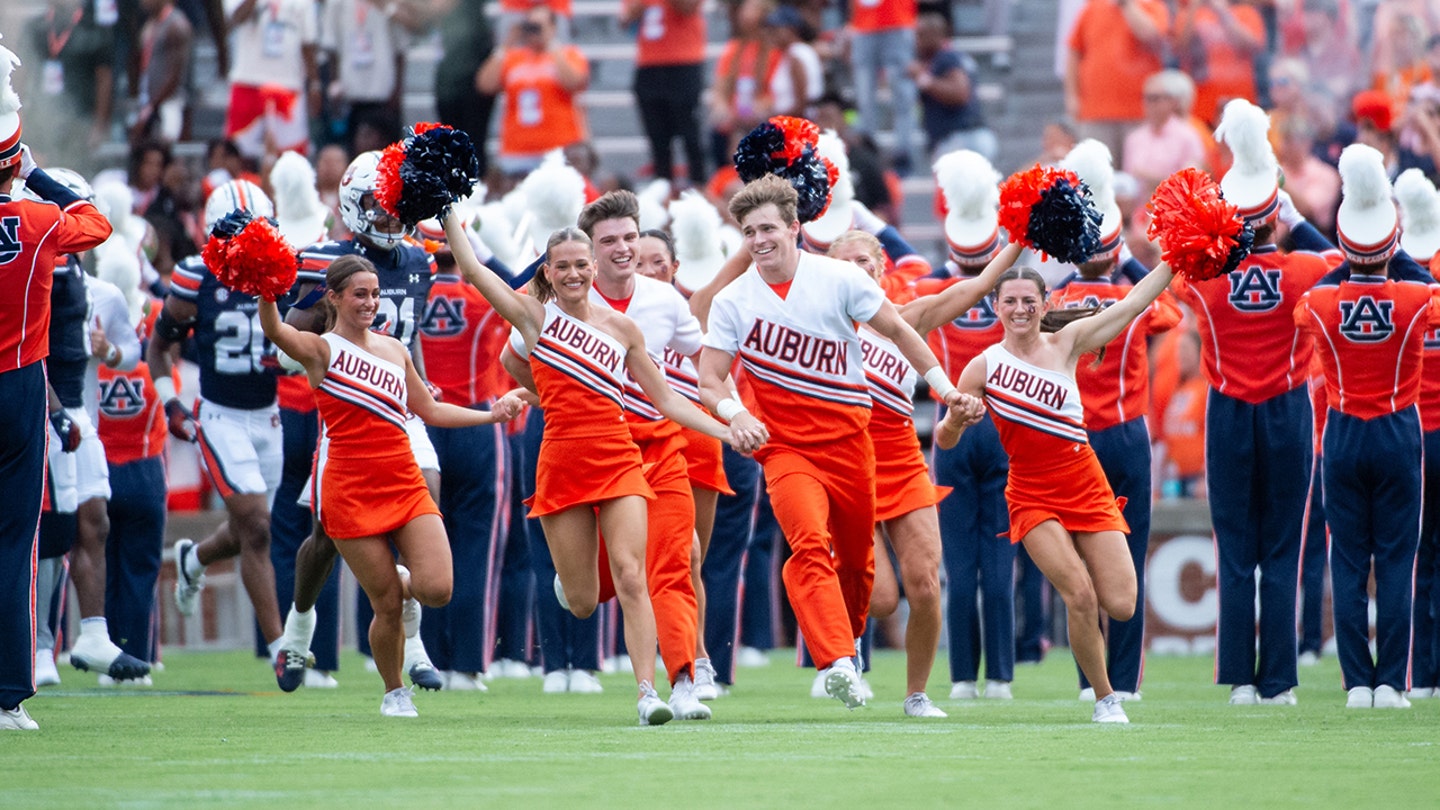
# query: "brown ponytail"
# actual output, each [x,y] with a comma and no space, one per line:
[539,286]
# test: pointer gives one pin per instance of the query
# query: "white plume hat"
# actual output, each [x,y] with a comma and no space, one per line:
[1252,184]
[838,217]
[302,217]
[554,194]
[9,110]
[652,199]
[1367,223]
[695,224]
[1419,215]
[971,188]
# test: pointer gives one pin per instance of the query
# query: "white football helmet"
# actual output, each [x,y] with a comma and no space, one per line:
[69,178]
[236,195]
[359,210]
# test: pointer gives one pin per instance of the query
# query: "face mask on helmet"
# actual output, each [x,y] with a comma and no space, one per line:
[359,210]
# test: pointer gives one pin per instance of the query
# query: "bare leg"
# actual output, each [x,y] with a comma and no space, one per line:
[87,559]
[885,594]
[313,562]
[250,528]
[623,522]
[1055,555]
[916,539]
[374,567]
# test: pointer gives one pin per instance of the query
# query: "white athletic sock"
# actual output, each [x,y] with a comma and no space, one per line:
[844,663]
[95,626]
[300,627]
[410,616]
[274,646]
[193,566]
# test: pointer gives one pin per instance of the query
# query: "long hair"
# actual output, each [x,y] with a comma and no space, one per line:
[665,239]
[540,286]
[337,278]
[1054,319]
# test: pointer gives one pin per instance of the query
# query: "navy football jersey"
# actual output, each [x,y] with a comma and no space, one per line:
[405,280]
[230,345]
[69,333]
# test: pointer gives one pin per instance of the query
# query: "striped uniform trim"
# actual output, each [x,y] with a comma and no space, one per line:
[347,391]
[1109,247]
[635,401]
[684,384]
[827,390]
[1264,211]
[1020,412]
[224,487]
[578,368]
[185,283]
[977,254]
[889,395]
[1373,253]
[10,149]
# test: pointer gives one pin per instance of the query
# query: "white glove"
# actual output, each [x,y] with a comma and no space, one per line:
[27,162]
[1288,213]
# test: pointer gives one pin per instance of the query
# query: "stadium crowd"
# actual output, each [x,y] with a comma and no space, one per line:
[166,391]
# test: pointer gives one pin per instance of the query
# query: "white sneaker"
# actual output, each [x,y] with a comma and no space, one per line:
[751,658]
[560,594]
[556,683]
[684,703]
[17,719]
[964,690]
[109,682]
[1126,697]
[620,663]
[998,690]
[466,682]
[1088,694]
[1417,694]
[1388,697]
[1361,697]
[1109,710]
[842,682]
[506,668]
[1308,659]
[370,665]
[187,590]
[584,682]
[705,688]
[398,703]
[1286,698]
[653,711]
[918,704]
[817,686]
[318,679]
[46,673]
[866,693]
[1244,695]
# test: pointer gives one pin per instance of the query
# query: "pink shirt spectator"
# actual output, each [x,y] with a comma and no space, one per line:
[1152,155]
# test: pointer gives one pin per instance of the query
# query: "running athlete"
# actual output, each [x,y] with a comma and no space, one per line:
[237,424]
[589,471]
[1370,318]
[792,322]
[368,492]
[32,236]
[405,273]
[905,497]
[1060,505]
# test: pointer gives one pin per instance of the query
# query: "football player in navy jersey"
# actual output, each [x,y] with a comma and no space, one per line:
[236,424]
[405,275]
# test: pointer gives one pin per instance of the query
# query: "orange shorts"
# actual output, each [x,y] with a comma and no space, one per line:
[586,470]
[902,478]
[1074,493]
[369,497]
[705,458]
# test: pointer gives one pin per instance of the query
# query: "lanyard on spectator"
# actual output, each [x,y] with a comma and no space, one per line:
[57,41]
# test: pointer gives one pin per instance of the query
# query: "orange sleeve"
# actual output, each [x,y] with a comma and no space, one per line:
[577,60]
[1433,317]
[1075,42]
[1302,314]
[81,227]
[1165,314]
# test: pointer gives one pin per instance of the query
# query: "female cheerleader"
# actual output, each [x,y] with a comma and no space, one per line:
[369,494]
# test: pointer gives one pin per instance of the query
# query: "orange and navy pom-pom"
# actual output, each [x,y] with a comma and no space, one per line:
[250,256]
[422,175]
[798,132]
[1050,210]
[787,147]
[1200,234]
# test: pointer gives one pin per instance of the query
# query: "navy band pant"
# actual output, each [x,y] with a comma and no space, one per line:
[725,561]
[1312,568]
[290,524]
[1427,575]
[133,552]
[759,596]
[22,479]
[517,582]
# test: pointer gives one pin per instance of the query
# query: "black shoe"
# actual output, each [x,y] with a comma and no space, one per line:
[289,669]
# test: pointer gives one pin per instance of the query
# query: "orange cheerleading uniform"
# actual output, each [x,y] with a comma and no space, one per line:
[902,478]
[1054,475]
[366,481]
[798,344]
[588,455]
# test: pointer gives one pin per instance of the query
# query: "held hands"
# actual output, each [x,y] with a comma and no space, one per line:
[747,434]
[965,410]
[507,407]
[179,421]
[67,430]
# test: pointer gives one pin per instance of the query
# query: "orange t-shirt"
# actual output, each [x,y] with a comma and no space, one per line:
[560,7]
[669,37]
[1185,427]
[1113,63]
[1229,73]
[869,16]
[540,114]
[751,65]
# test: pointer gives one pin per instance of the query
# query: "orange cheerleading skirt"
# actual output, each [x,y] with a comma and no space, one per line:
[902,479]
[1075,493]
[586,470]
[370,496]
[705,458]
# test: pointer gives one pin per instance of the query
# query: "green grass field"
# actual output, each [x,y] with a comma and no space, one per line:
[770,745]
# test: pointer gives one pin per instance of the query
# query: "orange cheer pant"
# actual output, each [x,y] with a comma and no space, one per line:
[824,501]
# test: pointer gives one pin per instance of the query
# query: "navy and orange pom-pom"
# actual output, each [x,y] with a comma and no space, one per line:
[1050,210]
[248,255]
[421,176]
[1200,234]
[786,146]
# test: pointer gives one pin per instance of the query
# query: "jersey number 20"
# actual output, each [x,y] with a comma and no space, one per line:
[241,344]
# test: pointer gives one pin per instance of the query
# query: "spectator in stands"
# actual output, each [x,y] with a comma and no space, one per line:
[883,39]
[513,12]
[945,79]
[669,78]
[1056,140]
[1114,46]
[1376,125]
[867,165]
[540,79]
[1402,28]
[330,167]
[1313,184]
[798,80]
[1183,461]
[367,40]
[1166,142]
[1217,41]
[740,94]
[1327,47]
[167,44]
[68,56]
[273,80]
[466,41]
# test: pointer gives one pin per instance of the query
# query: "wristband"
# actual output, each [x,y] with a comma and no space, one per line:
[165,389]
[728,409]
[939,384]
